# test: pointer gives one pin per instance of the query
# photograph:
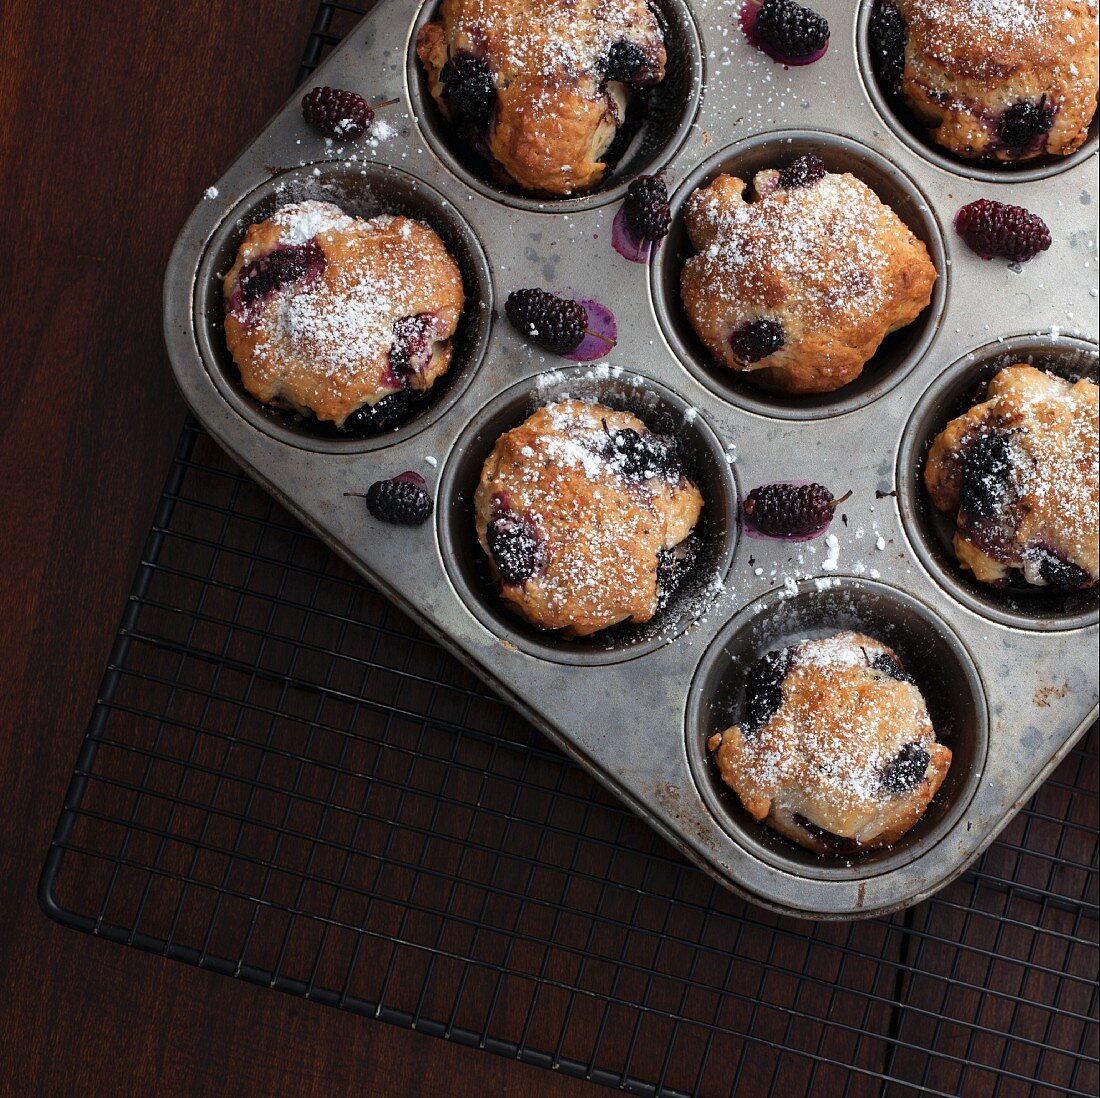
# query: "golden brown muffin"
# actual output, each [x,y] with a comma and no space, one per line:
[327,314]
[540,87]
[836,751]
[1001,79]
[578,509]
[802,284]
[1018,474]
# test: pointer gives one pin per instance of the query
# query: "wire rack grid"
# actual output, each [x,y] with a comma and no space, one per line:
[284,781]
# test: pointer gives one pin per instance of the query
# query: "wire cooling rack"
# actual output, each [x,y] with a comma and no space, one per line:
[284,781]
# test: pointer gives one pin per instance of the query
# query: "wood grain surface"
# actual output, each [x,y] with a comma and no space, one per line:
[113,118]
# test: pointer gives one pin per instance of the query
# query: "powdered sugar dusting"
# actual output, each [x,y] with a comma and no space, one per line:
[832,738]
[785,235]
[303,221]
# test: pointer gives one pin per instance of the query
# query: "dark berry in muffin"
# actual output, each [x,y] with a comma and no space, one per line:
[764,689]
[641,456]
[986,476]
[908,768]
[288,263]
[888,664]
[756,340]
[804,172]
[1024,123]
[514,548]
[624,62]
[468,85]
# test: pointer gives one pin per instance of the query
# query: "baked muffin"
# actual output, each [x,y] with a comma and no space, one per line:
[586,517]
[541,87]
[836,749]
[992,79]
[1018,474]
[330,315]
[799,286]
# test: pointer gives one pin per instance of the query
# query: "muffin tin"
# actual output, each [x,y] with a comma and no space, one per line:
[1010,678]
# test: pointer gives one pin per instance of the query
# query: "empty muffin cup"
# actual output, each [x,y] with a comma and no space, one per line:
[364,191]
[898,353]
[929,650]
[705,462]
[657,126]
[930,532]
[897,115]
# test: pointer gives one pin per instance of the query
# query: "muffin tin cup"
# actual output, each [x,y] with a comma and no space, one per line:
[671,112]
[930,532]
[909,130]
[364,190]
[633,707]
[898,353]
[705,462]
[928,649]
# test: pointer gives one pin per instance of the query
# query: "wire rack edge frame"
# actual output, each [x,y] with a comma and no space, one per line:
[319,39]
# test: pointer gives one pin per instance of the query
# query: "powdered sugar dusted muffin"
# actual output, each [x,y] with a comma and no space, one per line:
[330,315]
[1018,474]
[799,285]
[836,749]
[992,79]
[585,515]
[541,87]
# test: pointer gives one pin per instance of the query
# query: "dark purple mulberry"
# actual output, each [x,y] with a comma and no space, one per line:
[906,770]
[403,501]
[625,62]
[339,114]
[890,665]
[286,264]
[790,29]
[553,322]
[1058,572]
[764,689]
[993,228]
[986,476]
[647,211]
[790,510]
[640,456]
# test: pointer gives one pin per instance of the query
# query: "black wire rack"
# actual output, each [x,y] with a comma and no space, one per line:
[284,781]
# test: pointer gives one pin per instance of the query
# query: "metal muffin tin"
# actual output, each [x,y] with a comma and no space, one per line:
[1010,679]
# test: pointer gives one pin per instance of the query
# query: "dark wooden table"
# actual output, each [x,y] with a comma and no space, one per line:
[113,118]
